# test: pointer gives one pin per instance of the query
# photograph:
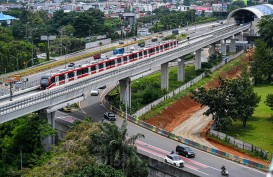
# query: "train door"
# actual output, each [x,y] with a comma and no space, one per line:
[66,78]
[57,80]
[75,75]
[89,70]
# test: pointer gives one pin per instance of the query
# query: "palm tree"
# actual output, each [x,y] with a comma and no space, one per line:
[114,146]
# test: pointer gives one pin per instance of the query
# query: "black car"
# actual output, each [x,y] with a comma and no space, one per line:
[71,65]
[102,87]
[109,116]
[184,151]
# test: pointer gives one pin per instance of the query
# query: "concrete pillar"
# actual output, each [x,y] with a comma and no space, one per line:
[211,49]
[241,36]
[181,70]
[125,91]
[223,47]
[164,76]
[232,45]
[50,117]
[203,55]
[198,59]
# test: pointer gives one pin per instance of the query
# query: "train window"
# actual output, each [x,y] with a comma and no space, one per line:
[119,60]
[140,54]
[135,55]
[161,47]
[71,74]
[100,65]
[61,77]
[93,68]
[79,72]
[171,44]
[112,62]
[130,57]
[85,70]
[52,80]
[108,63]
[145,52]
[125,58]
[157,49]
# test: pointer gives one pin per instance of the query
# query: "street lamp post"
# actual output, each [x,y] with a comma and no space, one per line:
[65,56]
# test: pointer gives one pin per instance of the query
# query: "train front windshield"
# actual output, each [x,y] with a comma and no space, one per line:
[44,81]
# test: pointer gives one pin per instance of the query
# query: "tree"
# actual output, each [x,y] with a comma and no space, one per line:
[116,149]
[265,25]
[24,134]
[269,101]
[186,2]
[261,67]
[232,100]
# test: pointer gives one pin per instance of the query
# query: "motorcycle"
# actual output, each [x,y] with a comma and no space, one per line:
[225,173]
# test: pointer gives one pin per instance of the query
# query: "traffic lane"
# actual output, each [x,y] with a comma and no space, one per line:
[154,152]
[213,162]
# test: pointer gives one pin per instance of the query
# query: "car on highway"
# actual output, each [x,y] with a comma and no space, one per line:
[66,109]
[97,56]
[71,65]
[109,116]
[102,87]
[174,159]
[94,92]
[184,151]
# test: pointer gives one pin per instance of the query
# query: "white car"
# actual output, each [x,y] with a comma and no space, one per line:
[174,159]
[94,92]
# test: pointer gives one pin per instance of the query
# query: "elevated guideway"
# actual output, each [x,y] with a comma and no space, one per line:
[79,88]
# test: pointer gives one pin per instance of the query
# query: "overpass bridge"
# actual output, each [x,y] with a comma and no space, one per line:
[58,97]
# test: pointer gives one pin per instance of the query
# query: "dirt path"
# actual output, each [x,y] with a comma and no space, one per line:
[193,126]
[185,117]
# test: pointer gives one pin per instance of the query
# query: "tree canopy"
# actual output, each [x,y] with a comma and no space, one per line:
[233,100]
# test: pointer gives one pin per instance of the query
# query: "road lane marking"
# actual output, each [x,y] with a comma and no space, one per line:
[162,156]
[163,151]
[81,108]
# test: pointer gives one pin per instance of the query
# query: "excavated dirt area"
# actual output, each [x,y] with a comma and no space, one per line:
[186,112]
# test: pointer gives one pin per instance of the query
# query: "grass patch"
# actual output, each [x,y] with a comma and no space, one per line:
[163,105]
[258,130]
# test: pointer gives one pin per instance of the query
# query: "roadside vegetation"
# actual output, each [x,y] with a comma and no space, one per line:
[88,149]
[148,89]
[259,126]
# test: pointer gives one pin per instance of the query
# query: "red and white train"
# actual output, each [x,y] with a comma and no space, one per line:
[66,75]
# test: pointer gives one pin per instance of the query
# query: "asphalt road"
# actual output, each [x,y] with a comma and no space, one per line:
[154,145]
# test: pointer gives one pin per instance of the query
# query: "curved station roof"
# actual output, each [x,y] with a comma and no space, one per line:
[247,14]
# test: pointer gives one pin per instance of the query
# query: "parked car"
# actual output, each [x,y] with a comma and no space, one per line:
[121,42]
[94,92]
[174,159]
[71,65]
[184,151]
[97,56]
[109,116]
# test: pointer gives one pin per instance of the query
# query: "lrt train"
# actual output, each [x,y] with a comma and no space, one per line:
[66,75]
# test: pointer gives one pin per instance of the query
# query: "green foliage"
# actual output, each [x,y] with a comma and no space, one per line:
[269,101]
[261,67]
[97,171]
[71,155]
[233,99]
[24,134]
[265,25]
[260,124]
[148,89]
[115,148]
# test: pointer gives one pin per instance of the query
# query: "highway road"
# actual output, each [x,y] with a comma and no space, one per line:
[190,31]
[156,146]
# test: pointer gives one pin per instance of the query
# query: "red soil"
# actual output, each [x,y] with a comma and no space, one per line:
[185,107]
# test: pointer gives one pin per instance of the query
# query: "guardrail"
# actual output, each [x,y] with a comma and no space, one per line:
[180,139]
[134,119]
[46,98]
